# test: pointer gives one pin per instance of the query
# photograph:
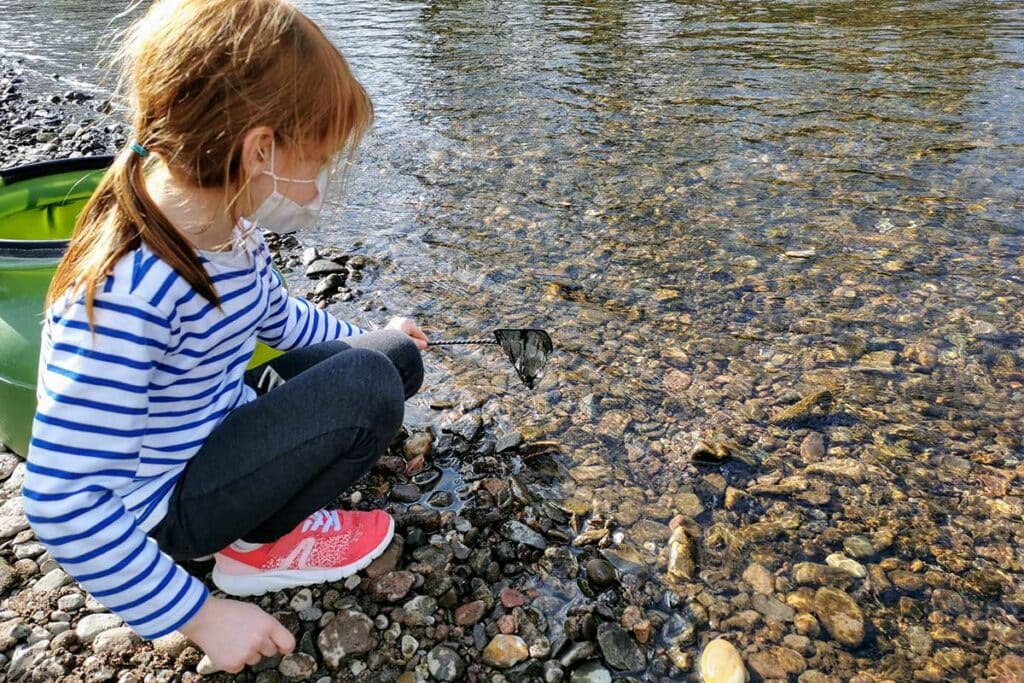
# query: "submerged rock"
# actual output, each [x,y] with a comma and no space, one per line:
[840,615]
[619,648]
[721,663]
[680,555]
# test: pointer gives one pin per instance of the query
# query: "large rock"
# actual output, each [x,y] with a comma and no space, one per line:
[505,651]
[721,663]
[349,633]
[840,615]
[619,649]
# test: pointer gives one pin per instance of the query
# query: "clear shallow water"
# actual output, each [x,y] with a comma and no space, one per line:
[633,177]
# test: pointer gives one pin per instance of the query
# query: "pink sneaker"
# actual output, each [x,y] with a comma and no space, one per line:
[327,546]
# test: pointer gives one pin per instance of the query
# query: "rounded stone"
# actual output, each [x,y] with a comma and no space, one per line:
[445,664]
[505,651]
[721,663]
[92,625]
[600,572]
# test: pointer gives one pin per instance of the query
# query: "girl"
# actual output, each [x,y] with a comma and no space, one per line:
[151,443]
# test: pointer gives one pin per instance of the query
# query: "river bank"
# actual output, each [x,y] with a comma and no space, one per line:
[517,564]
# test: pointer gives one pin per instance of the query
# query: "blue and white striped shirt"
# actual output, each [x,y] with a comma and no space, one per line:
[123,410]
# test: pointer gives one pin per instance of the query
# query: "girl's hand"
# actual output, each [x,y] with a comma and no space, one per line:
[410,328]
[234,633]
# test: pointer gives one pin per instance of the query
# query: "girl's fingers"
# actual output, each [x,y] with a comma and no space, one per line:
[282,639]
[268,648]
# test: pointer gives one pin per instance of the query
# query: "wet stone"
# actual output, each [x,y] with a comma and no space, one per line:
[858,547]
[591,672]
[721,663]
[600,572]
[771,608]
[520,533]
[759,578]
[322,267]
[405,493]
[619,648]
[840,615]
[778,663]
[505,651]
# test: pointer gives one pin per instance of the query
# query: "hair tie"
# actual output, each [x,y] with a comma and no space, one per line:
[139,149]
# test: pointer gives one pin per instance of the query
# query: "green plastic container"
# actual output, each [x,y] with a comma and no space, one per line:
[39,204]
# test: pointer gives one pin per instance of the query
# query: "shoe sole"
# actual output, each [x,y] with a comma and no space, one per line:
[257,584]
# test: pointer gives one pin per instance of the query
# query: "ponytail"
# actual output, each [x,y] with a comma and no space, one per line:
[119,215]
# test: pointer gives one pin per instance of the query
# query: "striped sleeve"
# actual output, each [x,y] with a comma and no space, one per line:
[86,439]
[294,322]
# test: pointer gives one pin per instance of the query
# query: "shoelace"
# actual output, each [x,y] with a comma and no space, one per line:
[322,521]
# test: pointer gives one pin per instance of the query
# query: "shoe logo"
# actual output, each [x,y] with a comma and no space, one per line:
[298,558]
[322,521]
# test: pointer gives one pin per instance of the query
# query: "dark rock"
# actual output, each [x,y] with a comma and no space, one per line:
[600,572]
[619,648]
[520,533]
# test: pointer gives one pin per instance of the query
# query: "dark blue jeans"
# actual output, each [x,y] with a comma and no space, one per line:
[323,416]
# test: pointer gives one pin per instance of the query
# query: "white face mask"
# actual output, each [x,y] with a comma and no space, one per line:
[281,214]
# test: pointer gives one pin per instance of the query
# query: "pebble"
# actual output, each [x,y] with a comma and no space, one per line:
[505,651]
[51,581]
[840,615]
[812,448]
[322,267]
[350,633]
[302,600]
[394,586]
[721,663]
[297,666]
[406,493]
[470,613]
[409,645]
[511,598]
[119,638]
[858,547]
[445,664]
[520,533]
[600,572]
[11,525]
[420,610]
[680,555]
[92,625]
[591,672]
[759,578]
[619,648]
[844,563]
[206,667]
[71,602]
